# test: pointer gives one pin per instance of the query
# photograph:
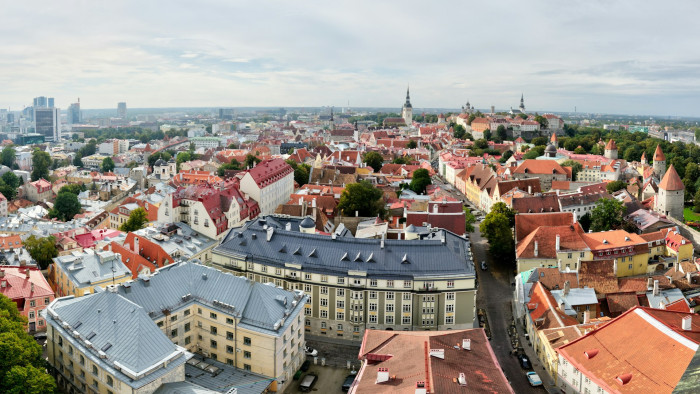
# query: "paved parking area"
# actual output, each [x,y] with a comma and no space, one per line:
[330,380]
[337,352]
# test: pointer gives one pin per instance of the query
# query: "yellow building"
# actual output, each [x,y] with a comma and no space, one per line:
[79,273]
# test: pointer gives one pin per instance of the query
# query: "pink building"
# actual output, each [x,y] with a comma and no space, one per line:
[28,288]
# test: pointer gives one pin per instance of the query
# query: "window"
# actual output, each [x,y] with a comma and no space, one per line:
[340,304]
[186,313]
[82,360]
[583,254]
[32,303]
[449,320]
[47,301]
[340,316]
[390,283]
[630,266]
[340,327]
[406,320]
[246,354]
[229,361]
[389,295]
[110,381]
[246,367]
[229,320]
[278,271]
[247,341]
[372,307]
[173,333]
[324,278]
[340,292]
[31,314]
[450,296]
[187,340]
[449,308]
[307,276]
[406,308]
[324,290]
[324,314]
[212,315]
[199,310]
[263,268]
[213,330]
[389,307]
[407,284]
[324,301]
[94,370]
[373,295]
[229,335]
[323,324]
[568,255]
[373,283]
[213,344]
[406,296]
[173,318]
[307,311]
[450,284]
[307,288]
[160,324]
[389,319]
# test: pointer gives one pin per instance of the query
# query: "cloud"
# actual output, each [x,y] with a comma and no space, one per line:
[624,56]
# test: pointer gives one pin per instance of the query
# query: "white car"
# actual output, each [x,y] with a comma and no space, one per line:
[534,379]
[311,351]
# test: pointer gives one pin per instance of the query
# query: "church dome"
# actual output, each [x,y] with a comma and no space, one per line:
[550,149]
[307,223]
[160,162]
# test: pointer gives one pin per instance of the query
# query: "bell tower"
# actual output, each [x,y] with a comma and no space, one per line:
[407,110]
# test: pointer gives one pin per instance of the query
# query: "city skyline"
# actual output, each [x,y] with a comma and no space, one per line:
[561,56]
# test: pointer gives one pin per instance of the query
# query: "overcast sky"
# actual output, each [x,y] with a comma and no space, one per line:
[636,57]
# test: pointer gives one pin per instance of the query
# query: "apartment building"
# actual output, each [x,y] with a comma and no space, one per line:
[80,272]
[27,288]
[39,190]
[270,183]
[355,284]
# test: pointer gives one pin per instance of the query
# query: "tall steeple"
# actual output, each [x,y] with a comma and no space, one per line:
[522,103]
[407,110]
[407,104]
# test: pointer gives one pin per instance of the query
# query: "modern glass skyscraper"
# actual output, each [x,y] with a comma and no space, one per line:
[74,113]
[121,110]
[47,122]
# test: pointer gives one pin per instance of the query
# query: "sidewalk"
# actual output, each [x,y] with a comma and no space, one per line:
[547,381]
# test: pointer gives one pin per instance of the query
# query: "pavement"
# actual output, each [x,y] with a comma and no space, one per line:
[330,380]
[336,352]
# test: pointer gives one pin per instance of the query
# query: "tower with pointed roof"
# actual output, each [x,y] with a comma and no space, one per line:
[522,103]
[659,162]
[669,200]
[407,110]
[611,150]
[554,140]
[644,159]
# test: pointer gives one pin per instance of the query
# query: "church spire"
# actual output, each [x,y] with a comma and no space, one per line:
[407,104]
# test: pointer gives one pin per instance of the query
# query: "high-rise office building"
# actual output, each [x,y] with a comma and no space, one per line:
[226,113]
[121,110]
[50,100]
[47,122]
[74,113]
[40,102]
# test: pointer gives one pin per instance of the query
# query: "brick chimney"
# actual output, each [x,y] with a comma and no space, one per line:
[567,287]
[687,323]
[656,288]
[536,250]
[558,242]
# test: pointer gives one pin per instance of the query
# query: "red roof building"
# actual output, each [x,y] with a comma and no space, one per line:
[27,288]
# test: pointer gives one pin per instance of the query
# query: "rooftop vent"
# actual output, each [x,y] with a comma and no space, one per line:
[404,260]
[382,375]
[623,379]
[421,388]
[591,353]
[358,257]
[439,353]
[345,257]
[686,323]
[204,276]
[462,379]
[467,344]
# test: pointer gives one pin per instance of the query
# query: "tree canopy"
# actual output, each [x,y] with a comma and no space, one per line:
[361,197]
[301,172]
[496,228]
[576,167]
[43,249]
[137,220]
[152,159]
[40,163]
[8,156]
[107,164]
[501,133]
[411,144]
[22,369]
[233,165]
[374,160]
[251,160]
[420,180]
[607,215]
[469,220]
[458,130]
[65,207]
[614,186]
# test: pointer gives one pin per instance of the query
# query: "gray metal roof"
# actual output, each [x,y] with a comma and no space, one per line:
[88,267]
[117,334]
[443,253]
[229,377]
[260,307]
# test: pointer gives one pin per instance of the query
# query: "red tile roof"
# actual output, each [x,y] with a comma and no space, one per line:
[671,180]
[405,355]
[545,236]
[544,310]
[611,145]
[659,154]
[267,172]
[9,242]
[532,166]
[525,223]
[629,350]
[18,287]
[536,204]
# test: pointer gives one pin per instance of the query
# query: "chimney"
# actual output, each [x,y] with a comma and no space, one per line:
[382,375]
[27,273]
[687,323]
[32,288]
[381,243]
[2,274]
[567,287]
[536,249]
[357,213]
[136,245]
[313,203]
[421,388]
[586,317]
[462,380]
[650,283]
[558,242]
[689,277]
[466,344]
[559,265]
[575,217]
[529,189]
[109,247]
[656,288]
[562,307]
[435,208]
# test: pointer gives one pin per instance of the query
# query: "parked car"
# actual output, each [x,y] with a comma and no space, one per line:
[484,267]
[534,379]
[307,382]
[524,361]
[348,382]
[305,366]
[311,351]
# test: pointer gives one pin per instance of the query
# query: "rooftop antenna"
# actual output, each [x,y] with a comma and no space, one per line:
[113,271]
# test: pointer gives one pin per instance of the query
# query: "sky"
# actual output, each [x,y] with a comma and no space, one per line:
[624,57]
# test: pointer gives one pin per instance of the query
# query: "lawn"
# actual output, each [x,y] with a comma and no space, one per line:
[691,216]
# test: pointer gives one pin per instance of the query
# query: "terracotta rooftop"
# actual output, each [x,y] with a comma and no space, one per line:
[554,279]
[532,166]
[525,223]
[621,302]
[671,181]
[611,145]
[598,275]
[628,351]
[536,204]
[545,238]
[404,358]
[544,310]
[659,154]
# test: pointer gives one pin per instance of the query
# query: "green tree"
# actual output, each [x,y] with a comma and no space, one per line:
[586,221]
[576,167]
[544,123]
[402,160]
[696,201]
[614,186]
[411,144]
[74,188]
[420,180]
[502,208]
[43,249]
[11,179]
[497,230]
[8,156]
[251,160]
[233,165]
[487,135]
[537,141]
[501,133]
[137,220]
[607,215]
[481,144]
[361,197]
[534,153]
[28,380]
[469,220]
[78,160]
[41,161]
[459,131]
[65,207]
[505,156]
[374,160]
[107,164]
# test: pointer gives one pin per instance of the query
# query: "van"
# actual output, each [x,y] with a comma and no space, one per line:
[307,382]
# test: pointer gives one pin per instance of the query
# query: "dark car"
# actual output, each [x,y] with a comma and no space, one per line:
[524,361]
[305,366]
[307,382]
[348,382]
